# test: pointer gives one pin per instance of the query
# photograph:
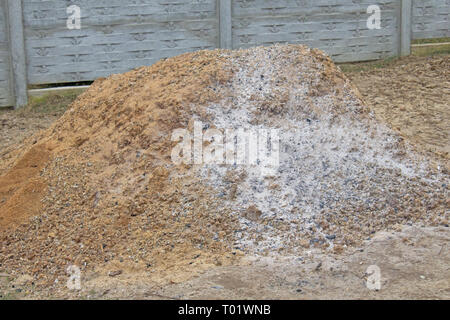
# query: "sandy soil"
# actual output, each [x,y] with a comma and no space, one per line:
[413,262]
[15,127]
[412,95]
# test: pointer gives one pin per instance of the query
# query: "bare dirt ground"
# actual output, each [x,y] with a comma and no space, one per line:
[15,126]
[413,262]
[411,95]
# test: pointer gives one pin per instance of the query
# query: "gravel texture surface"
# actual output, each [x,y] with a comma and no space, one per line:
[98,188]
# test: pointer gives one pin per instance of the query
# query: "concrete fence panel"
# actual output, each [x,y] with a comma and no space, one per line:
[66,41]
[337,27]
[431,19]
[114,36]
[6,89]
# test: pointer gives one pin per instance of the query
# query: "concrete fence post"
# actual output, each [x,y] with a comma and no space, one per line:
[225,24]
[406,27]
[17,51]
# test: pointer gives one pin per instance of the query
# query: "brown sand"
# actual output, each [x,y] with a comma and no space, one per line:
[95,189]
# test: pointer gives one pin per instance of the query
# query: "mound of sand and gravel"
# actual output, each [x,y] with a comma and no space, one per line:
[99,187]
